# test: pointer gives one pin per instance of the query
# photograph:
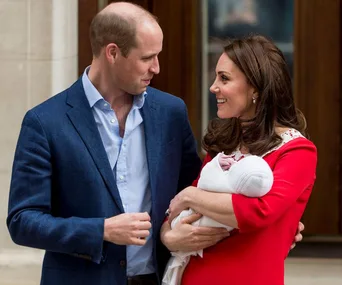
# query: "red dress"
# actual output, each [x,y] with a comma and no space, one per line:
[255,253]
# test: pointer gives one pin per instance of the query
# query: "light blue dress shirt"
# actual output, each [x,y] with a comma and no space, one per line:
[127,157]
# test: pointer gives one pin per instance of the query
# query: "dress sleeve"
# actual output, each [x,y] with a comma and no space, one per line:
[294,172]
[206,159]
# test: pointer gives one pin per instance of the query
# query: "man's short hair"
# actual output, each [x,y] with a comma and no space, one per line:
[108,28]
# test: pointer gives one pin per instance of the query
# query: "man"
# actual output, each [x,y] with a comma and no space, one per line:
[96,166]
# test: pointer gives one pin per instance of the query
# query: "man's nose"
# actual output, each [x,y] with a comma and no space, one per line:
[155,66]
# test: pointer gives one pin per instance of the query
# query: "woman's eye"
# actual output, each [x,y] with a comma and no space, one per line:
[224,78]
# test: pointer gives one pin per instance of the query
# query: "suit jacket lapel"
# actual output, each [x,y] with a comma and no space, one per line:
[83,120]
[151,116]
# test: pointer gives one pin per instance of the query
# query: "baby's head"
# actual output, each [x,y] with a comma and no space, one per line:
[225,161]
[251,176]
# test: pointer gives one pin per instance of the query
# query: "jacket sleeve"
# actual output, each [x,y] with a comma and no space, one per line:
[294,172]
[30,221]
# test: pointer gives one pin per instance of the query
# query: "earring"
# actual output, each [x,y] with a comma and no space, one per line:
[254,100]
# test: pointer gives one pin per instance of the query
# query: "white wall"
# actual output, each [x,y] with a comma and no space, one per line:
[38,58]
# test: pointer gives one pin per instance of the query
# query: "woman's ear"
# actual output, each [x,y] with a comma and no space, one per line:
[255,93]
[255,96]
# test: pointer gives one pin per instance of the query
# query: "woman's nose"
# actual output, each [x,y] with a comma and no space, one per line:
[214,89]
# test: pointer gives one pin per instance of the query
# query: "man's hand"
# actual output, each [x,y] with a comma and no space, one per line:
[298,236]
[127,228]
[186,237]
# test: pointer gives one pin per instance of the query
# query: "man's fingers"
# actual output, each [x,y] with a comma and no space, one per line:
[145,225]
[141,216]
[141,234]
[138,241]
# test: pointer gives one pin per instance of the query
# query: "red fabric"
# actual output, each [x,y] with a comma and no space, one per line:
[255,254]
[206,159]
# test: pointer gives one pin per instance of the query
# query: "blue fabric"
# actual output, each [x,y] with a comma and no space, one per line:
[63,186]
[127,159]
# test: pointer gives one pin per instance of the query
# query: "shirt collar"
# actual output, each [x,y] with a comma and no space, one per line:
[93,95]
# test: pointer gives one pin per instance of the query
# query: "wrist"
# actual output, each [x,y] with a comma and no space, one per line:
[105,230]
[189,197]
[167,236]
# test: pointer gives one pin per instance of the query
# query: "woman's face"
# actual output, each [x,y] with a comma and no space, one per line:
[233,93]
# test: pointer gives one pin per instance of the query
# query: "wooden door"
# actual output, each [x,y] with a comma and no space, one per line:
[318,94]
[87,9]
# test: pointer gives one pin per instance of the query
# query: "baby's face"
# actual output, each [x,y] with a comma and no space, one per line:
[225,161]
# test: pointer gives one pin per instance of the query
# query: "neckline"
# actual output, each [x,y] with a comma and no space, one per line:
[288,135]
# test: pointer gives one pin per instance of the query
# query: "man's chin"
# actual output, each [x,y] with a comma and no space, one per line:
[138,92]
[143,89]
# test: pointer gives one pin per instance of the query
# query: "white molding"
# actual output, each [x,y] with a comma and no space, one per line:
[62,73]
[20,257]
[22,266]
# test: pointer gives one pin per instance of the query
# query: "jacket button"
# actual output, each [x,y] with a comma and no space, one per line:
[122,263]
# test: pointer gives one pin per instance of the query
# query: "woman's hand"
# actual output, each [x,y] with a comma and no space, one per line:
[215,205]
[186,237]
[298,236]
[180,202]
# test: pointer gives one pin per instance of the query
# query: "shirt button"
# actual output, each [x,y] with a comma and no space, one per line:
[112,121]
[122,177]
[122,263]
[105,104]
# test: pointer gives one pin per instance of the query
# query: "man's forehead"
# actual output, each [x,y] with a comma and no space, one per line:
[145,51]
[152,43]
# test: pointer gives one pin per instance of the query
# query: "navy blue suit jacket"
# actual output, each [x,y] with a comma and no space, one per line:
[63,187]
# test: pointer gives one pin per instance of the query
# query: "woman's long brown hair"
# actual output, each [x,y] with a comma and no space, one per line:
[265,68]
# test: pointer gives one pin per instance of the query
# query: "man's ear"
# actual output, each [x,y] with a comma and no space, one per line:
[112,52]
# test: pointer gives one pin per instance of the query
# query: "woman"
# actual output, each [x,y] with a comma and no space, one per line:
[257,116]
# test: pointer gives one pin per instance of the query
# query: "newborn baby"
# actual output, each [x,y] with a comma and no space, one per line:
[250,176]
